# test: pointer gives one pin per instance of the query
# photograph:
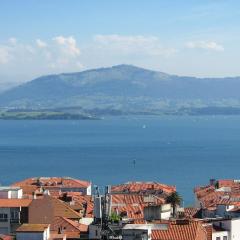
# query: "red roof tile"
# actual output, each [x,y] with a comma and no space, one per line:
[32,228]
[142,186]
[5,237]
[190,231]
[49,182]
[7,203]
[69,227]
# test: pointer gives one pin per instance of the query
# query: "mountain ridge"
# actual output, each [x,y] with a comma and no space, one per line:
[123,87]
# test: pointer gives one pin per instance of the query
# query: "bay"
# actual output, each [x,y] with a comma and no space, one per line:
[185,151]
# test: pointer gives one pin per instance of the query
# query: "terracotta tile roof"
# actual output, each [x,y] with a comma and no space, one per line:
[142,186]
[64,210]
[213,198]
[202,192]
[68,227]
[209,230]
[85,201]
[82,227]
[134,199]
[29,189]
[54,182]
[32,228]
[55,193]
[132,212]
[5,237]
[132,204]
[64,224]
[139,221]
[226,183]
[191,212]
[77,206]
[6,203]
[190,231]
[72,235]
[224,189]
[45,209]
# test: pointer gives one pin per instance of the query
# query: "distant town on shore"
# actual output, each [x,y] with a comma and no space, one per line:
[60,208]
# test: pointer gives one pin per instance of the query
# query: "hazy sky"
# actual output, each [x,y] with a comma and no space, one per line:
[185,37]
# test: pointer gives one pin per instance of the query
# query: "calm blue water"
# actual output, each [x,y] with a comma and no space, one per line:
[183,151]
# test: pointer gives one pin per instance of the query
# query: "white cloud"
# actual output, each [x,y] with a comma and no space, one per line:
[29,49]
[207,45]
[48,55]
[15,52]
[68,45]
[135,44]
[12,40]
[5,55]
[40,43]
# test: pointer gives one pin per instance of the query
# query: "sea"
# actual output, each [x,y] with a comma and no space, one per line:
[185,151]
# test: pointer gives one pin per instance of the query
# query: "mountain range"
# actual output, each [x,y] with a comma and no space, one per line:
[125,89]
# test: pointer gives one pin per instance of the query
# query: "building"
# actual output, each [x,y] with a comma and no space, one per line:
[143,187]
[171,230]
[83,204]
[130,199]
[157,212]
[13,212]
[221,198]
[54,185]
[10,192]
[44,210]
[226,229]
[33,232]
[71,229]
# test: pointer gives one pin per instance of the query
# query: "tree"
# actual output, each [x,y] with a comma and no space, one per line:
[114,217]
[175,200]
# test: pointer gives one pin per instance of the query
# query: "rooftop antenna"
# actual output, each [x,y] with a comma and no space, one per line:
[102,212]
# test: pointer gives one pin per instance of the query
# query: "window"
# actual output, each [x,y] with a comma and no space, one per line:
[15,216]
[3,217]
[225,238]
[218,238]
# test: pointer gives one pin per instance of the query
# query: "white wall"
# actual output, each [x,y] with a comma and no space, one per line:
[233,226]
[220,234]
[235,229]
[7,194]
[17,193]
[165,215]
[157,212]
[86,221]
[89,190]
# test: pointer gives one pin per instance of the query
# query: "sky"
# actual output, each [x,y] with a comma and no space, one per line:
[191,37]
